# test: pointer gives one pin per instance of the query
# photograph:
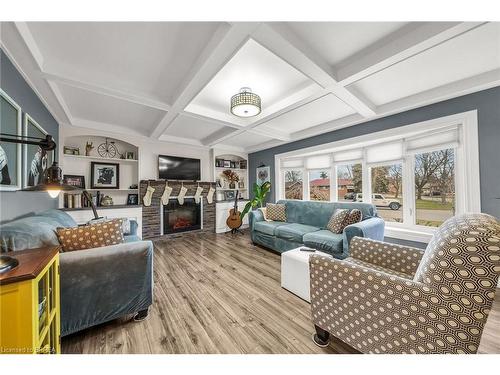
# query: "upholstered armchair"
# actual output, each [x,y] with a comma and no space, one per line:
[387,298]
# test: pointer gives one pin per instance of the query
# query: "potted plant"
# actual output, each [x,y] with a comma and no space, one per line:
[232,177]
[260,192]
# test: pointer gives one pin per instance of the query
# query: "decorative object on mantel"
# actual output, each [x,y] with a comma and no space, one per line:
[149,194]
[232,177]
[210,195]
[104,175]
[107,149]
[197,195]
[245,103]
[166,194]
[182,194]
[260,193]
[89,146]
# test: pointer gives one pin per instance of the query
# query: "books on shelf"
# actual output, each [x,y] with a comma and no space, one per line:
[75,201]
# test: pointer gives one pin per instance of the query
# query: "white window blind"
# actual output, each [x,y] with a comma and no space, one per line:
[432,142]
[319,161]
[347,156]
[384,152]
[292,163]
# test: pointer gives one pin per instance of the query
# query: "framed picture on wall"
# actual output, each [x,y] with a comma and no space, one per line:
[133,199]
[263,174]
[36,162]
[10,153]
[104,175]
[74,180]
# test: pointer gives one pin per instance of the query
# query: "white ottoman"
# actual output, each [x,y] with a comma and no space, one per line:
[295,272]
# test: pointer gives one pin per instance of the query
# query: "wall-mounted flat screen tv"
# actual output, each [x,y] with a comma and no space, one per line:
[178,168]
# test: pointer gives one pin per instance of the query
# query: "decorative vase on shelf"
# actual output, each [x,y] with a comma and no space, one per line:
[232,185]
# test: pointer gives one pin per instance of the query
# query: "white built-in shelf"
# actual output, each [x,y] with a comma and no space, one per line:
[234,169]
[242,189]
[100,158]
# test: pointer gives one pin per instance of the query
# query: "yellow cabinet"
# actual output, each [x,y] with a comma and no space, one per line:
[29,303]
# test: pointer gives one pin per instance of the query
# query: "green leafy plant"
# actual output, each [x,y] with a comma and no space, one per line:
[260,192]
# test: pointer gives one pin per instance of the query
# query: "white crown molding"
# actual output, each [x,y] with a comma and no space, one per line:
[28,39]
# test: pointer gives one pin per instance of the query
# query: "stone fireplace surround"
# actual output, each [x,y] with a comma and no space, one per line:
[151,216]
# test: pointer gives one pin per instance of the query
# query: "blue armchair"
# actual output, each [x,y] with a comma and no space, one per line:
[306,225]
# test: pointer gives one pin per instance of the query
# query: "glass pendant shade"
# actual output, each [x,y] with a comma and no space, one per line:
[245,103]
[52,182]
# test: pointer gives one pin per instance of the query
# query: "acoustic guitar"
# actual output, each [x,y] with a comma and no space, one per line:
[234,219]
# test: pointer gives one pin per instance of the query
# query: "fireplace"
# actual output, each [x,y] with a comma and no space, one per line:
[181,218]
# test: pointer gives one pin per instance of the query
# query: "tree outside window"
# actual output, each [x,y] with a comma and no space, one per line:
[293,184]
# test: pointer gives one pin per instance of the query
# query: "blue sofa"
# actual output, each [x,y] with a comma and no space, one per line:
[97,285]
[306,225]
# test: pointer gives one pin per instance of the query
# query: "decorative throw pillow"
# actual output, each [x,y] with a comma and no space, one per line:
[354,217]
[336,222]
[276,212]
[264,213]
[91,236]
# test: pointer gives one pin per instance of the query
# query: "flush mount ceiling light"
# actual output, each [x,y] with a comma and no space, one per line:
[245,103]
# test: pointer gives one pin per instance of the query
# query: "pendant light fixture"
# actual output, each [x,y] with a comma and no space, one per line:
[245,103]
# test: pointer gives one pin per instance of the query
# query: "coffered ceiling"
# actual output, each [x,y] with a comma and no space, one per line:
[172,81]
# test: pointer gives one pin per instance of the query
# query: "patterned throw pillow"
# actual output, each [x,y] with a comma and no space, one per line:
[336,222]
[354,217]
[91,236]
[276,212]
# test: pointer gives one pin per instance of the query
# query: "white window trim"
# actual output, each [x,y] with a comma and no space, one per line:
[467,177]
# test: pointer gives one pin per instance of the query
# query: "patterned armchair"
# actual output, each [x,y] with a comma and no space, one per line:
[388,298]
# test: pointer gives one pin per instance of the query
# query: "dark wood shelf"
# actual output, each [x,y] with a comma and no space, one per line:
[102,207]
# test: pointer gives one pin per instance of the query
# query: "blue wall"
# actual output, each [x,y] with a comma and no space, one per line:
[486,102]
[15,204]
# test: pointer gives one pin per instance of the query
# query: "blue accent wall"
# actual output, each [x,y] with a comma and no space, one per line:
[486,102]
[16,204]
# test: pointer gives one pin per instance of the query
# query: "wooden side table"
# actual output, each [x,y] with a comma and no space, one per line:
[29,303]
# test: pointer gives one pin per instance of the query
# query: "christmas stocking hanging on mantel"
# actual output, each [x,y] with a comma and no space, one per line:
[210,195]
[182,194]
[166,194]
[197,195]
[147,197]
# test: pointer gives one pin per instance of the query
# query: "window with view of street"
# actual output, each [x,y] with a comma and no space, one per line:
[349,182]
[319,186]
[387,191]
[434,187]
[293,184]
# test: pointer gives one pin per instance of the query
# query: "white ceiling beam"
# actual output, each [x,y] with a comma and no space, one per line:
[451,90]
[398,46]
[282,41]
[97,125]
[227,39]
[132,97]
[181,140]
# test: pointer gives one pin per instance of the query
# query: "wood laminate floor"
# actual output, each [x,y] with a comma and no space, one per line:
[220,294]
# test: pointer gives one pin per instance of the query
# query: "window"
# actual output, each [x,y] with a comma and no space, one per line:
[319,186]
[434,187]
[416,175]
[349,182]
[293,184]
[387,191]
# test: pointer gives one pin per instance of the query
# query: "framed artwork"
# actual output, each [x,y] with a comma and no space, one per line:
[130,155]
[133,199]
[230,194]
[263,175]
[227,164]
[10,153]
[35,162]
[104,175]
[75,180]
